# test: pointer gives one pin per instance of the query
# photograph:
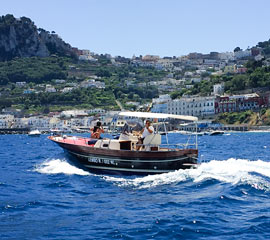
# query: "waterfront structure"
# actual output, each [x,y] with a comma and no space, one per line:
[160,108]
[6,120]
[237,103]
[224,104]
[194,106]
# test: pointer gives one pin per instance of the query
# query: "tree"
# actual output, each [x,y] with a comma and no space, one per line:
[27,104]
[255,78]
[237,49]
[175,94]
[46,110]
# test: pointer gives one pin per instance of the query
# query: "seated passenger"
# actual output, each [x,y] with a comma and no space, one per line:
[97,130]
[147,130]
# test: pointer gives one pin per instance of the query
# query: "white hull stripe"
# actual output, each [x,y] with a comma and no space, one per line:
[129,170]
[131,160]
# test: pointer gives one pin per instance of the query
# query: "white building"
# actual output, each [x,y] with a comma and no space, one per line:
[226,56]
[73,113]
[219,89]
[20,122]
[92,83]
[86,52]
[160,108]
[242,54]
[133,103]
[50,89]
[67,89]
[60,81]
[189,74]
[96,110]
[165,63]
[87,58]
[194,106]
[195,79]
[6,120]
[162,99]
[39,122]
[20,84]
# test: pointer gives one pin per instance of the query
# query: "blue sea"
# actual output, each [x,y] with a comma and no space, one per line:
[43,195]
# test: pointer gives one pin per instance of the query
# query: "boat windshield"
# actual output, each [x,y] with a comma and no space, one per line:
[129,127]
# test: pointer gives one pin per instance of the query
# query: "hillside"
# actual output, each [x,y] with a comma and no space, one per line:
[38,71]
[19,37]
[248,117]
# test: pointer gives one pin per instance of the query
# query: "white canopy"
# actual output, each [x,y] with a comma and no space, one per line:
[158,115]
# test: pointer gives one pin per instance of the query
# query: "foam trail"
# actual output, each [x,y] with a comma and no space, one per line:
[56,166]
[234,171]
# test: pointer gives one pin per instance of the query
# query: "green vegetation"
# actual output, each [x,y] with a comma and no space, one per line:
[34,69]
[36,72]
[235,117]
[93,98]
[246,117]
[265,46]
[256,76]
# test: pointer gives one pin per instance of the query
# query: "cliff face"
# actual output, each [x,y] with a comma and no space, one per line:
[21,38]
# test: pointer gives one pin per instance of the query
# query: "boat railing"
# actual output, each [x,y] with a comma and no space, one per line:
[178,145]
[152,147]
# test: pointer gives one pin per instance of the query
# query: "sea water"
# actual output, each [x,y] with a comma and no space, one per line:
[45,196]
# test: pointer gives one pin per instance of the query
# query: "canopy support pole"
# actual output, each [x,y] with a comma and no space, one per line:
[166,133]
[196,125]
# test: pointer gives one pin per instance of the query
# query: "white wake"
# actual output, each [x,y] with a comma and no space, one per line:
[234,171]
[56,166]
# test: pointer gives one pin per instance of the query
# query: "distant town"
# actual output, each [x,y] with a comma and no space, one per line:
[48,84]
[204,107]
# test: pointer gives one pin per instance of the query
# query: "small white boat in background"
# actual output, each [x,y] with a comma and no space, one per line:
[56,131]
[34,133]
[191,133]
[217,132]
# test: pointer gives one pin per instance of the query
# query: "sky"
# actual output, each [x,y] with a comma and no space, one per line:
[155,27]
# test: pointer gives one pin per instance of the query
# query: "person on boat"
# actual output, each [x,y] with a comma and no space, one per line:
[97,130]
[147,130]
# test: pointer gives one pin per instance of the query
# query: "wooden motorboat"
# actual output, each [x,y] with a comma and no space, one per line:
[121,154]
